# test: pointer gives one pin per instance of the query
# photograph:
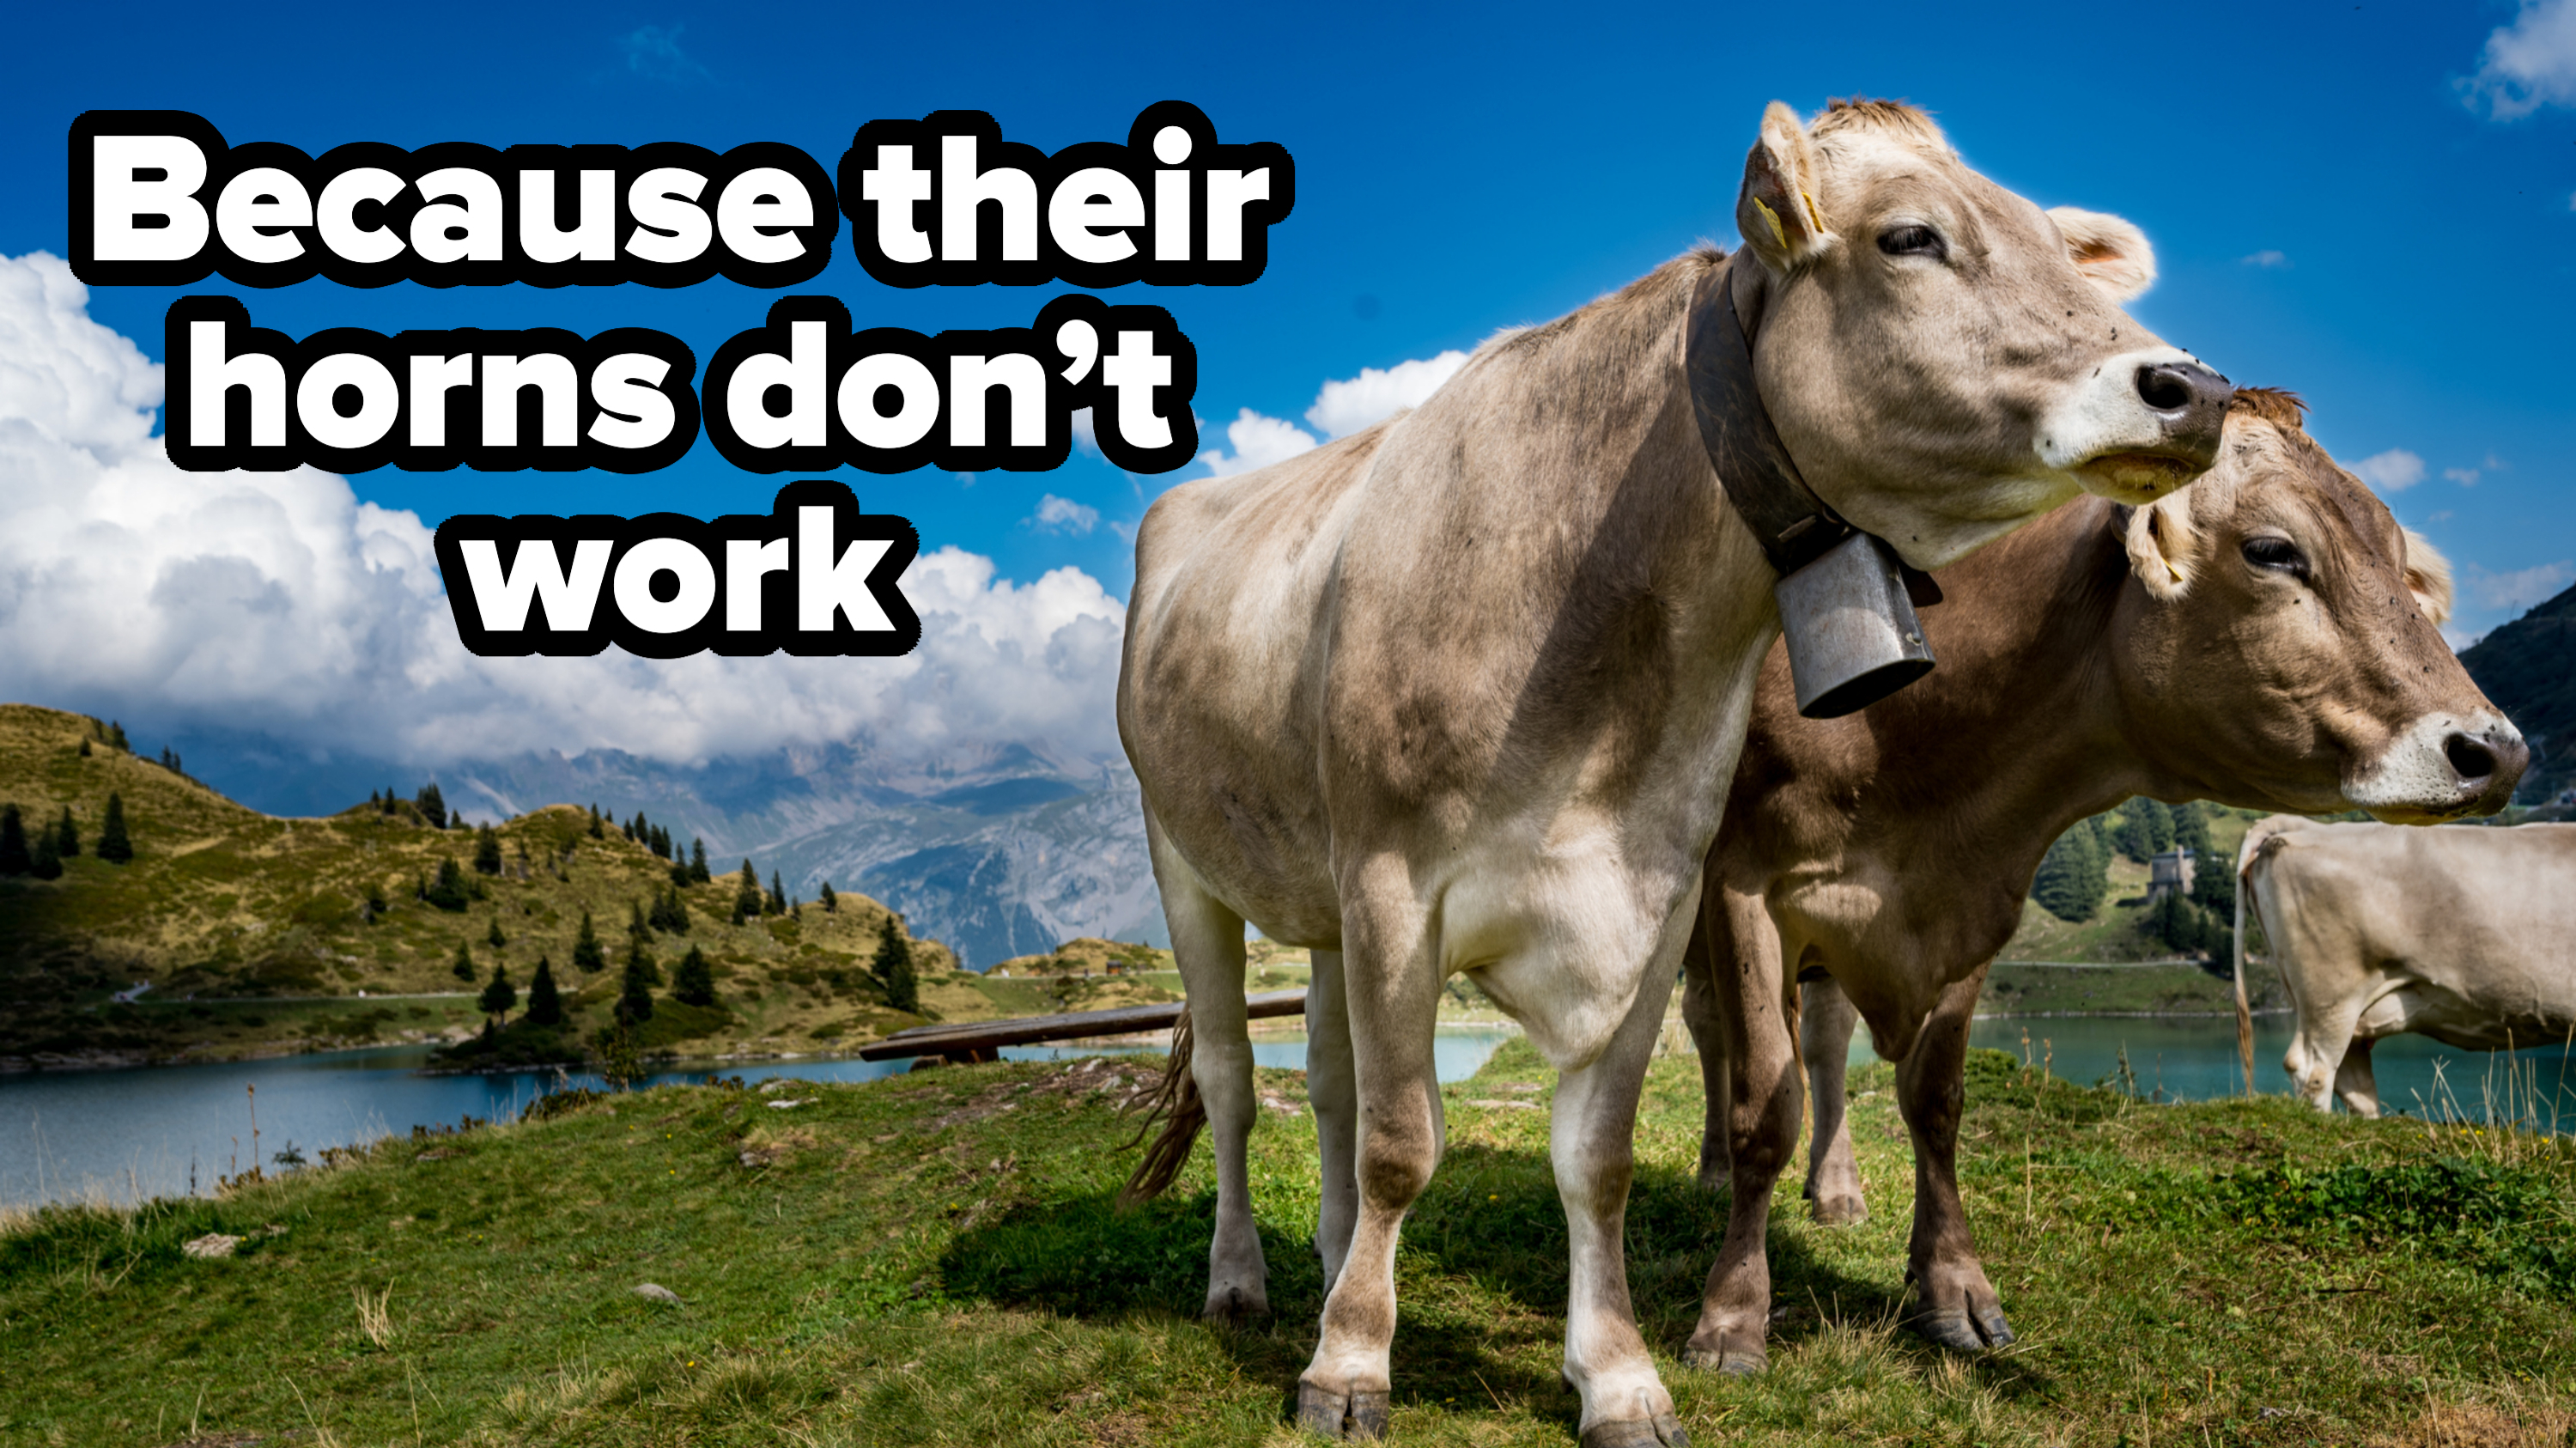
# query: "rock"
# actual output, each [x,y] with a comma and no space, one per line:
[787,1105]
[773,1085]
[656,1292]
[213,1244]
[1491,1104]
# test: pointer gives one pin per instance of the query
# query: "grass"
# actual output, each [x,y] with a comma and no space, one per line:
[934,1259]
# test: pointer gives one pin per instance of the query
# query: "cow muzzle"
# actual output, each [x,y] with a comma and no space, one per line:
[2444,768]
[2142,425]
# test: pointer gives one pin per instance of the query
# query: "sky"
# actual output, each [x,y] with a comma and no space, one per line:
[2373,205]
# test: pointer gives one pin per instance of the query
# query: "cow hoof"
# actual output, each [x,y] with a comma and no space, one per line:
[1736,1359]
[1662,1431]
[1359,1415]
[1840,1211]
[1234,1307]
[1954,1329]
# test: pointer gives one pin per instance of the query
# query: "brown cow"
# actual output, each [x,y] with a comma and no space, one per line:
[1448,696]
[2260,638]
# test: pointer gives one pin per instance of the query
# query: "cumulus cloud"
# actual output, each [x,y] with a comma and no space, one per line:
[1063,515]
[2465,477]
[2393,471]
[2528,64]
[2265,259]
[1258,441]
[1346,406]
[1342,406]
[281,603]
[2521,588]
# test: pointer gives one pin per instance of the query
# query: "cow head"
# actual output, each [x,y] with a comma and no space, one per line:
[2277,642]
[1945,360]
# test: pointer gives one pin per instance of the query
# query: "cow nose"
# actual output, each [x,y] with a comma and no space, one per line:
[2191,402]
[2470,759]
[2497,757]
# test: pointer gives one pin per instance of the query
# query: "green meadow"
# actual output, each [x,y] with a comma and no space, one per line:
[935,1259]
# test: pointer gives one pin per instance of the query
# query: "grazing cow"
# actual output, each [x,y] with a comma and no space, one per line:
[1447,696]
[2260,638]
[2467,936]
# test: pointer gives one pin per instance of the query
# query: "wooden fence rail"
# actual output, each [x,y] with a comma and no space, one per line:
[971,1041]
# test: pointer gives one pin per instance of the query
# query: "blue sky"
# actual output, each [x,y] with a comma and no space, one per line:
[2370,204]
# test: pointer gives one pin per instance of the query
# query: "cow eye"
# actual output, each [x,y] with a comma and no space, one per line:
[2279,553]
[1911,241]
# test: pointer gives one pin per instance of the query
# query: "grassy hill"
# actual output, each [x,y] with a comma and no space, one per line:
[268,924]
[935,1259]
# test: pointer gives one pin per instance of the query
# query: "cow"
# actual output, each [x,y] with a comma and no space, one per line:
[2266,637]
[1448,696]
[2464,935]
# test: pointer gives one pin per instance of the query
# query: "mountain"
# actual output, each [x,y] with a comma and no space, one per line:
[2528,668]
[998,851]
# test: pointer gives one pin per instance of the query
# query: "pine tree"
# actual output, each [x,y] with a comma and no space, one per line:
[14,858]
[777,895]
[113,846]
[2191,829]
[84,749]
[67,834]
[586,954]
[448,892]
[2072,876]
[116,738]
[47,861]
[893,966]
[693,981]
[831,902]
[498,994]
[598,829]
[462,967]
[635,986]
[545,1006]
[698,863]
[636,926]
[747,896]
[432,804]
[661,843]
[487,850]
[675,913]
[494,938]
[2213,886]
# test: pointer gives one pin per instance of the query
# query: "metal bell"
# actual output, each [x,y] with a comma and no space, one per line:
[1852,633]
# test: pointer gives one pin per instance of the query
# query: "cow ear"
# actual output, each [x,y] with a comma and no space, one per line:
[2112,254]
[1776,213]
[2428,577]
[2163,546]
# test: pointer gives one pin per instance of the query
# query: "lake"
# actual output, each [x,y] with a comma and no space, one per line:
[122,1136]
[164,1131]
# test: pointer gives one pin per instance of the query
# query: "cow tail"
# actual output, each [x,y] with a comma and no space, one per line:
[1176,1104]
[2244,1014]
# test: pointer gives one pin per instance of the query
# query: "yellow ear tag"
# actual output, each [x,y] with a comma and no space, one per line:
[1779,237]
[1814,217]
[2176,572]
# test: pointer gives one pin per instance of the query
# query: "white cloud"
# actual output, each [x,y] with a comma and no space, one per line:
[1258,442]
[2265,259]
[2528,64]
[655,53]
[1064,515]
[2521,588]
[1086,431]
[2465,477]
[2393,471]
[1342,406]
[281,603]
[1346,406]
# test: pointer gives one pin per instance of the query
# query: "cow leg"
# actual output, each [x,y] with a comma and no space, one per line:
[1591,1141]
[1759,1033]
[1391,994]
[1955,1305]
[2355,1082]
[1702,1013]
[1335,1097]
[2317,1049]
[1825,1021]
[1207,944]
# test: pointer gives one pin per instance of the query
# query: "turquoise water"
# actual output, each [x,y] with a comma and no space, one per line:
[168,1130]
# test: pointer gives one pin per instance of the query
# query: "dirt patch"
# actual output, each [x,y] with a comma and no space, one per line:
[2483,1425]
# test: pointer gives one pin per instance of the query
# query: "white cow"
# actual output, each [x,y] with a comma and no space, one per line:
[2467,935]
